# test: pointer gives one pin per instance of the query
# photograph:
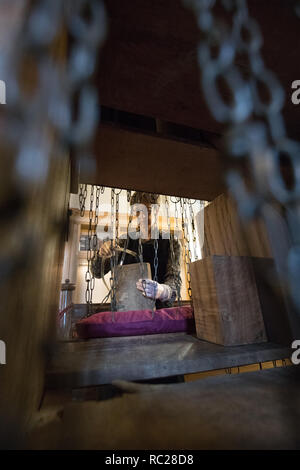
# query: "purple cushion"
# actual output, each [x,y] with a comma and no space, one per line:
[137,322]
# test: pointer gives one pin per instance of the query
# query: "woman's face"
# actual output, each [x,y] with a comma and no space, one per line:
[145,215]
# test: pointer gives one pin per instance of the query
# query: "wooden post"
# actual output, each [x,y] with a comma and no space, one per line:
[226,303]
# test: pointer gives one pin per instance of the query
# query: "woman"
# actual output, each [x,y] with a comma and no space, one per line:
[167,285]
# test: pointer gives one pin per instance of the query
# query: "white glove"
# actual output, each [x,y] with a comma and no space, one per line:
[154,290]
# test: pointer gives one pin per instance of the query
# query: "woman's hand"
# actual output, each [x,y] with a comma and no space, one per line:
[154,290]
[105,250]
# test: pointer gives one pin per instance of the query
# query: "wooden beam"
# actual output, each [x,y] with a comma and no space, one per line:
[148,65]
[31,268]
[137,161]
[225,234]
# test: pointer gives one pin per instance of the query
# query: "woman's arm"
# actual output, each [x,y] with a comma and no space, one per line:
[104,257]
[172,277]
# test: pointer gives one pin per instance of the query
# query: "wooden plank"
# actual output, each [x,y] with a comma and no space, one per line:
[205,301]
[137,161]
[272,301]
[256,410]
[33,218]
[127,295]
[100,361]
[224,233]
[226,304]
[148,65]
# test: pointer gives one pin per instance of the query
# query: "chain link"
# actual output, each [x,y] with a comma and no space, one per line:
[89,278]
[186,238]
[82,198]
[117,194]
[41,122]
[113,279]
[94,242]
[192,220]
[176,219]
[155,209]
[171,234]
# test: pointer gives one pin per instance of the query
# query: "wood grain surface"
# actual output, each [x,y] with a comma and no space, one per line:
[224,233]
[32,234]
[149,162]
[226,304]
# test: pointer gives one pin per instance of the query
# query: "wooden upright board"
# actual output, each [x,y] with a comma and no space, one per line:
[226,303]
[130,160]
[225,235]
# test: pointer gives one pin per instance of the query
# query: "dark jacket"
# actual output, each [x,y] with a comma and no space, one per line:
[168,271]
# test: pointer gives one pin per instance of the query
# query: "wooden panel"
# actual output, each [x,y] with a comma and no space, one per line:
[149,62]
[137,161]
[33,215]
[226,303]
[205,301]
[273,302]
[27,325]
[76,363]
[127,295]
[239,369]
[224,233]
[255,410]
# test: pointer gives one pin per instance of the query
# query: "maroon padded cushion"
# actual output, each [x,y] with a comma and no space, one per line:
[136,322]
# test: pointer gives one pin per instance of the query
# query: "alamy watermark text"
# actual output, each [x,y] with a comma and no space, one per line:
[2,92]
[2,352]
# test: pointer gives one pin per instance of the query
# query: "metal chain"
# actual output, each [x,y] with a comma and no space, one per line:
[141,257]
[169,232]
[177,238]
[256,128]
[92,239]
[128,223]
[187,251]
[167,205]
[117,241]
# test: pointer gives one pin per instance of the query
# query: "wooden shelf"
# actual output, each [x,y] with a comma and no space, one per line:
[93,362]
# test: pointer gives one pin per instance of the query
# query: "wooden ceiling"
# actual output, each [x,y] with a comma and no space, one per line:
[148,67]
[148,63]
